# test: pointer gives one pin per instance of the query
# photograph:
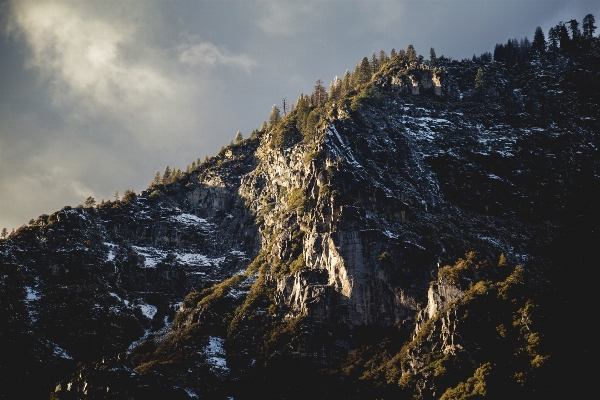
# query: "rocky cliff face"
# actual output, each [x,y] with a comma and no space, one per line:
[335,249]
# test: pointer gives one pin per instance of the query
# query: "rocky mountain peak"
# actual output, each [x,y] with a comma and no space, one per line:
[354,241]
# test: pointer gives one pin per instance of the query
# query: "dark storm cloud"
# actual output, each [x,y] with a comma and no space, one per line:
[95,96]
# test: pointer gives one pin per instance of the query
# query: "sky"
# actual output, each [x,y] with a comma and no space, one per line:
[96,96]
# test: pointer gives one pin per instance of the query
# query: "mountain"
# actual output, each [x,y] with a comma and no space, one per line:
[425,230]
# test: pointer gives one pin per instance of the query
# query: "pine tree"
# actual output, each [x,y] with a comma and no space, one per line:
[346,87]
[364,75]
[156,180]
[411,53]
[129,196]
[263,127]
[117,195]
[275,115]
[4,233]
[335,89]
[499,53]
[588,26]
[525,48]
[238,137]
[552,39]
[563,36]
[302,111]
[166,178]
[383,58]
[539,41]
[479,80]
[320,94]
[502,262]
[175,175]
[432,56]
[393,53]
[374,64]
[574,28]
[90,202]
[402,55]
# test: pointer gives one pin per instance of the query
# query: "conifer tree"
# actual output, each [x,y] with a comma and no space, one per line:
[364,71]
[402,55]
[346,83]
[320,94]
[335,89]
[355,77]
[90,202]
[302,111]
[263,127]
[238,137]
[117,195]
[574,28]
[552,39]
[411,53]
[383,58]
[393,53]
[275,115]
[502,262]
[175,175]
[129,196]
[156,180]
[588,26]
[432,56]
[166,178]
[479,80]
[4,233]
[539,41]
[563,35]
[374,64]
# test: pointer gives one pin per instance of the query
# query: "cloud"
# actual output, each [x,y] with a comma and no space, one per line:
[288,18]
[85,59]
[207,54]
[111,68]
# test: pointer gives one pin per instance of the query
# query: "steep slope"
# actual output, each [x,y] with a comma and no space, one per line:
[329,255]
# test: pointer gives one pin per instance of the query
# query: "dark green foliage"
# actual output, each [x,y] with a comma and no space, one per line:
[297,201]
[539,41]
[319,96]
[411,54]
[313,120]
[364,72]
[367,96]
[275,116]
[286,133]
[129,196]
[374,63]
[588,26]
[574,28]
